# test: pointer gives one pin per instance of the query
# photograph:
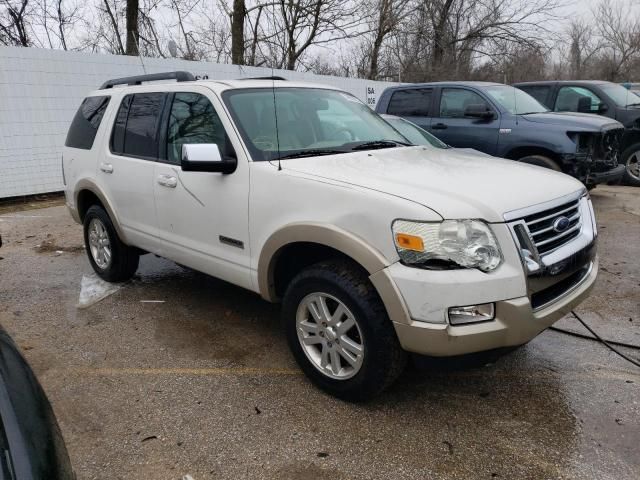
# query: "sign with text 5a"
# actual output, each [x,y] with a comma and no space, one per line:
[371,97]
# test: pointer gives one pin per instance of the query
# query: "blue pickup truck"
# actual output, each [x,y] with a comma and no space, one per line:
[506,122]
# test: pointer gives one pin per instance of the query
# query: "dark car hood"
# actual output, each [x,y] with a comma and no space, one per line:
[579,121]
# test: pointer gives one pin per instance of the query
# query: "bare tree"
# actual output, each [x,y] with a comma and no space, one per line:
[386,16]
[619,30]
[14,22]
[133,35]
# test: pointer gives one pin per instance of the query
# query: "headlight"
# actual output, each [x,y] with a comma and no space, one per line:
[447,245]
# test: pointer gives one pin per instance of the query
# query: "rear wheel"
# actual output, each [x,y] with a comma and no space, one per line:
[110,258]
[339,332]
[631,160]
[541,161]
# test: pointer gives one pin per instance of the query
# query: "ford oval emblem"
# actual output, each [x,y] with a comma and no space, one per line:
[560,224]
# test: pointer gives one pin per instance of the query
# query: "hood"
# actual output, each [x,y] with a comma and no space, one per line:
[453,183]
[572,120]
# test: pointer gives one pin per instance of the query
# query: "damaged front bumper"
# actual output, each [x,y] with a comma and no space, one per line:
[596,158]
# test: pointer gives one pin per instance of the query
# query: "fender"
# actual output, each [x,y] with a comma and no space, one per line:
[86,184]
[346,242]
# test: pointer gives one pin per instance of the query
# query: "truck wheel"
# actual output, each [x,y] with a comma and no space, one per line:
[111,259]
[339,332]
[631,160]
[541,161]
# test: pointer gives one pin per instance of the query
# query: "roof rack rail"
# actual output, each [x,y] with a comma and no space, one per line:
[152,77]
[262,78]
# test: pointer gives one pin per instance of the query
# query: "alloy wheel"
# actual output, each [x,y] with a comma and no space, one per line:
[99,244]
[330,336]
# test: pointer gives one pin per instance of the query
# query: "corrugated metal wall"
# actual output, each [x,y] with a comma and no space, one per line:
[40,91]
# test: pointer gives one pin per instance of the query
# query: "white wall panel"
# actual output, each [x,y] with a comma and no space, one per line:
[40,91]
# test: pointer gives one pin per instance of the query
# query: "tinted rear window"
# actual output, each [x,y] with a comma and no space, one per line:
[86,122]
[410,103]
[539,92]
[136,127]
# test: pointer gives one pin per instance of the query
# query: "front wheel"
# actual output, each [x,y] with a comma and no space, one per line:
[110,258]
[339,332]
[631,160]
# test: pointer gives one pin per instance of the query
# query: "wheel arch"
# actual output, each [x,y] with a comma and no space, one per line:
[325,240]
[528,150]
[86,194]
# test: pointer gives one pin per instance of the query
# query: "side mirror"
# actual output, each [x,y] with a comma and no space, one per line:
[584,105]
[206,157]
[478,110]
[602,107]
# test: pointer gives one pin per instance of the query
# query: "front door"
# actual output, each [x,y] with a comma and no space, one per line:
[203,216]
[454,128]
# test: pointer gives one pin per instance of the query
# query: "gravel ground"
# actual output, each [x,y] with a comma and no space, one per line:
[200,381]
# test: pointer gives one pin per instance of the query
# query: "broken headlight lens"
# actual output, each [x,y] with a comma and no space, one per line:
[447,245]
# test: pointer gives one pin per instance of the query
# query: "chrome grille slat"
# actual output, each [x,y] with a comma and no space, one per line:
[549,228]
[553,215]
[540,226]
[557,237]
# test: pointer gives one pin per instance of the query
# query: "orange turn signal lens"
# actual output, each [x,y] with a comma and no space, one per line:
[409,242]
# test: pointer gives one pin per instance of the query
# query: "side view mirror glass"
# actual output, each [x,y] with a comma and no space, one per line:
[205,157]
[602,107]
[478,110]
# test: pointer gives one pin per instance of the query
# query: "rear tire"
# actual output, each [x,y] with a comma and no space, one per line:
[631,161]
[541,161]
[110,258]
[338,284]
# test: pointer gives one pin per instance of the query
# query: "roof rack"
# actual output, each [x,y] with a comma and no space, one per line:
[262,78]
[152,77]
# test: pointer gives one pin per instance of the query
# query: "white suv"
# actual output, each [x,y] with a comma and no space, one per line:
[304,195]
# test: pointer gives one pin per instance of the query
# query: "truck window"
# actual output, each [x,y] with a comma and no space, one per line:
[539,92]
[192,120]
[135,130]
[577,99]
[86,122]
[454,101]
[415,102]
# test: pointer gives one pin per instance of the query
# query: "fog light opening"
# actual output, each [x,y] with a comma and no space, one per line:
[471,314]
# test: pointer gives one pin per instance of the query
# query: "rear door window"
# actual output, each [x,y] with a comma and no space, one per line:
[86,122]
[415,102]
[539,92]
[137,125]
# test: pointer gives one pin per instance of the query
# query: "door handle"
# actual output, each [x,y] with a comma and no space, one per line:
[168,181]
[106,167]
[438,126]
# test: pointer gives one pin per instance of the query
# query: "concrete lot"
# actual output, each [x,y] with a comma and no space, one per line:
[203,384]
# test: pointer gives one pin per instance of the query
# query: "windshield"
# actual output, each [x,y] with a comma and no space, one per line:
[414,133]
[515,100]
[310,121]
[620,95]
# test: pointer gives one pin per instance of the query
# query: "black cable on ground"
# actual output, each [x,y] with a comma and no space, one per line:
[589,337]
[607,343]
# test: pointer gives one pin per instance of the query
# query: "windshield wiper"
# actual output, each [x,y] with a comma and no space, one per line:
[531,113]
[311,153]
[634,104]
[379,144]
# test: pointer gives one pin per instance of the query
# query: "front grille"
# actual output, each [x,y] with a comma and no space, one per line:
[545,230]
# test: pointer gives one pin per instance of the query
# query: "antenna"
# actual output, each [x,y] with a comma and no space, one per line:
[275,114]
[515,104]
[140,55]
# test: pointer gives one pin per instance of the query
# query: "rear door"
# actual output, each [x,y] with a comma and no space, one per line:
[126,171]
[414,104]
[451,125]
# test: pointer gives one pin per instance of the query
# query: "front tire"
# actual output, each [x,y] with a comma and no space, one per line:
[631,160]
[339,332]
[110,258]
